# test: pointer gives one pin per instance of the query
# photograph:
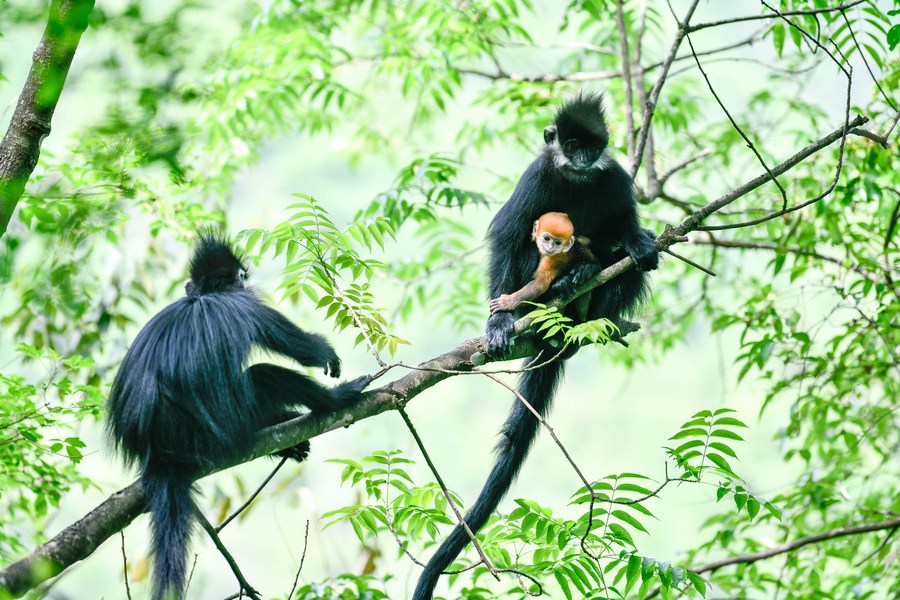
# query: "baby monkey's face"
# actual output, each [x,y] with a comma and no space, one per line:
[549,245]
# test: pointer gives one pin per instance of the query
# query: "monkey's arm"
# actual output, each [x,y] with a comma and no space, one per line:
[277,333]
[512,257]
[640,245]
[535,288]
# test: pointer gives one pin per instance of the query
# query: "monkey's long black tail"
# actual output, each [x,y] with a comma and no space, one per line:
[171,515]
[517,435]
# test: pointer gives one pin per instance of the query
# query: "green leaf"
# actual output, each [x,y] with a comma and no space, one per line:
[632,573]
[719,461]
[893,37]
[693,432]
[752,507]
[729,421]
[564,584]
[624,516]
[723,449]
[698,582]
[778,35]
[725,433]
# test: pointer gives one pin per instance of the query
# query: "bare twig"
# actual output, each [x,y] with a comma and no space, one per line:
[302,558]
[447,495]
[787,13]
[459,517]
[690,262]
[862,55]
[190,578]
[559,46]
[737,127]
[125,565]
[881,141]
[890,129]
[545,78]
[746,245]
[545,424]
[252,497]
[681,165]
[749,41]
[790,547]
[880,546]
[581,76]
[848,72]
[211,531]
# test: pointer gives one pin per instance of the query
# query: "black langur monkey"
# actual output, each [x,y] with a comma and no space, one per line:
[575,175]
[184,400]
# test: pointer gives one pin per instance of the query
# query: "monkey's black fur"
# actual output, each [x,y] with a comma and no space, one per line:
[184,400]
[575,176]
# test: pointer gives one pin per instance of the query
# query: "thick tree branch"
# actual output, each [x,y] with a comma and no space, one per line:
[30,123]
[76,542]
[80,539]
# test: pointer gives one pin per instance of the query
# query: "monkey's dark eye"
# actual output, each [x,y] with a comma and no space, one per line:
[571,146]
[242,276]
[546,237]
[558,242]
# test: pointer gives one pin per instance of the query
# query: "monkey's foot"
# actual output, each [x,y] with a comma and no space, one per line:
[350,392]
[359,384]
[296,453]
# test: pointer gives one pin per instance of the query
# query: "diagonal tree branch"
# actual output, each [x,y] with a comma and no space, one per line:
[30,123]
[83,537]
[791,546]
[788,13]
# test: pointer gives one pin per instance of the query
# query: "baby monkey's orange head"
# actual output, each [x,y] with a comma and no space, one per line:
[553,233]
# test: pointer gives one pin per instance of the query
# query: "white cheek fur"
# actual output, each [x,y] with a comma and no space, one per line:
[604,161]
[559,159]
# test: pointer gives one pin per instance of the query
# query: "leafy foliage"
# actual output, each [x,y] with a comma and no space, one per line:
[592,553]
[343,587]
[550,322]
[39,444]
[320,256]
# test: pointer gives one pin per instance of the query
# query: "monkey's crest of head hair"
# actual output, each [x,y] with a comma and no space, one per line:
[215,266]
[582,118]
[557,224]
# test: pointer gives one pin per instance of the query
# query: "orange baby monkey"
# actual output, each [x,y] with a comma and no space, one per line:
[560,249]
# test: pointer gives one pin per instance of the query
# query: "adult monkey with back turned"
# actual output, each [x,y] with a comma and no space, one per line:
[575,175]
[184,400]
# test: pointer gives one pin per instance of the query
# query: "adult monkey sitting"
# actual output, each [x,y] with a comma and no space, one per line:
[184,399]
[575,175]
